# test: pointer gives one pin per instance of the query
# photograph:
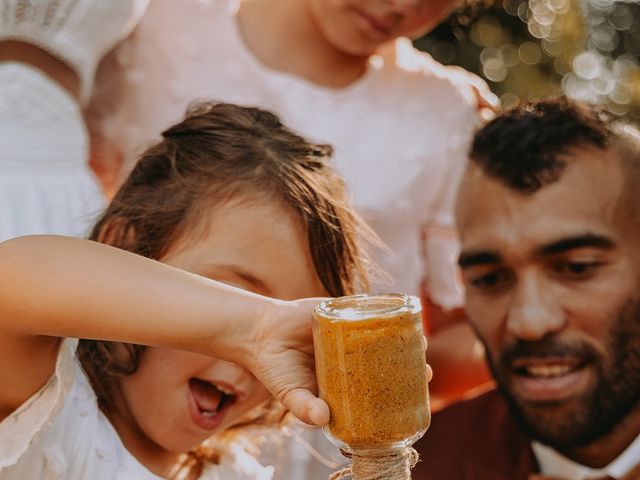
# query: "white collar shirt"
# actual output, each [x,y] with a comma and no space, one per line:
[554,464]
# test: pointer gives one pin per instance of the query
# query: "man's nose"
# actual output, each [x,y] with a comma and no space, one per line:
[535,311]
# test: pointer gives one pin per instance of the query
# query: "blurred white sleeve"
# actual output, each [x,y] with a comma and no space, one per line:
[441,246]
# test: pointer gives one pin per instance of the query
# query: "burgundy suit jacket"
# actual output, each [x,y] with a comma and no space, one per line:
[474,440]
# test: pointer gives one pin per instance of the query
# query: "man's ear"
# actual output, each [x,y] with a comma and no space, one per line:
[118,232]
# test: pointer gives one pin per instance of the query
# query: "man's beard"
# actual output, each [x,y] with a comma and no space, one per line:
[599,409]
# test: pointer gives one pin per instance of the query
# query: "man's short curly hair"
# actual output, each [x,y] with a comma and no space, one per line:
[524,147]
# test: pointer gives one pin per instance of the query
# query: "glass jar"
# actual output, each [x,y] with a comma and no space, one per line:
[371,370]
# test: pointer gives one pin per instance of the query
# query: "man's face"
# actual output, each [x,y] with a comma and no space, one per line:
[552,290]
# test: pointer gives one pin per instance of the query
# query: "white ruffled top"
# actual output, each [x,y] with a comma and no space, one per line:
[79,32]
[60,433]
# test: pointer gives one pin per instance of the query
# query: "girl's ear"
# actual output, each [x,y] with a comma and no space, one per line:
[118,232]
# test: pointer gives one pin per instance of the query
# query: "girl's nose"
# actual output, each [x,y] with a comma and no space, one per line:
[230,373]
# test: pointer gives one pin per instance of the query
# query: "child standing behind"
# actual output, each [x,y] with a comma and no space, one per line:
[229,195]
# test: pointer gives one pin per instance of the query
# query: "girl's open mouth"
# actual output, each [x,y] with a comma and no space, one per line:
[208,403]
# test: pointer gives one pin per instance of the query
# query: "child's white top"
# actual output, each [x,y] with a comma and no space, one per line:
[60,433]
[400,133]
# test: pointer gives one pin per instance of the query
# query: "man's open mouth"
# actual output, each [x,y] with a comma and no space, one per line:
[546,367]
[549,378]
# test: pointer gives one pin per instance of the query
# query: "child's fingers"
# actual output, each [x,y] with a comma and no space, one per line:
[306,407]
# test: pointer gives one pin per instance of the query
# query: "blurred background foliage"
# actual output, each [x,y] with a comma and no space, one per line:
[588,49]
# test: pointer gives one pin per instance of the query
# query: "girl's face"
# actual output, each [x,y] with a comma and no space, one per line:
[176,400]
[360,27]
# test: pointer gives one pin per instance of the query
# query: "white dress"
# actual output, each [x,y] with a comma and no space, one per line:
[400,133]
[46,185]
[60,433]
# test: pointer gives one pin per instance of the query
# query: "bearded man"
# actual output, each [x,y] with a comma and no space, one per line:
[548,214]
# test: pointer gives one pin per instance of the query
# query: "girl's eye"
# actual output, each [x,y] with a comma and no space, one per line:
[492,280]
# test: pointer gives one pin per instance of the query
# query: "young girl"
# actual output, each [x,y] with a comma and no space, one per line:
[230,195]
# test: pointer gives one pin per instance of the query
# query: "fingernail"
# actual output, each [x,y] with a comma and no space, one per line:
[318,413]
[314,414]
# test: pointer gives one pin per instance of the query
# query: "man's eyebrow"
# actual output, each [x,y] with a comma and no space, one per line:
[587,240]
[469,259]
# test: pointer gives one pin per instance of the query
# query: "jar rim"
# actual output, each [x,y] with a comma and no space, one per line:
[364,306]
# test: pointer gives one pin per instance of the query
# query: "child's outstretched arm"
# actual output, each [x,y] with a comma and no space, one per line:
[53,287]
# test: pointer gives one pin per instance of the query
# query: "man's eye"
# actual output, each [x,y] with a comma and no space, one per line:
[576,270]
[492,280]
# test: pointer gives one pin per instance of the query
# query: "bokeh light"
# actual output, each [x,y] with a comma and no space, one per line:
[588,49]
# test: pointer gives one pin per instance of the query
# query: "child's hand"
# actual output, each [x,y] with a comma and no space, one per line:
[283,358]
[487,102]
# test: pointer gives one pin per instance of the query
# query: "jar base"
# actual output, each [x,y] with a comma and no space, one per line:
[393,464]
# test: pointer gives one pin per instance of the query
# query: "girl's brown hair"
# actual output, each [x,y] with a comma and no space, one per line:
[219,152]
